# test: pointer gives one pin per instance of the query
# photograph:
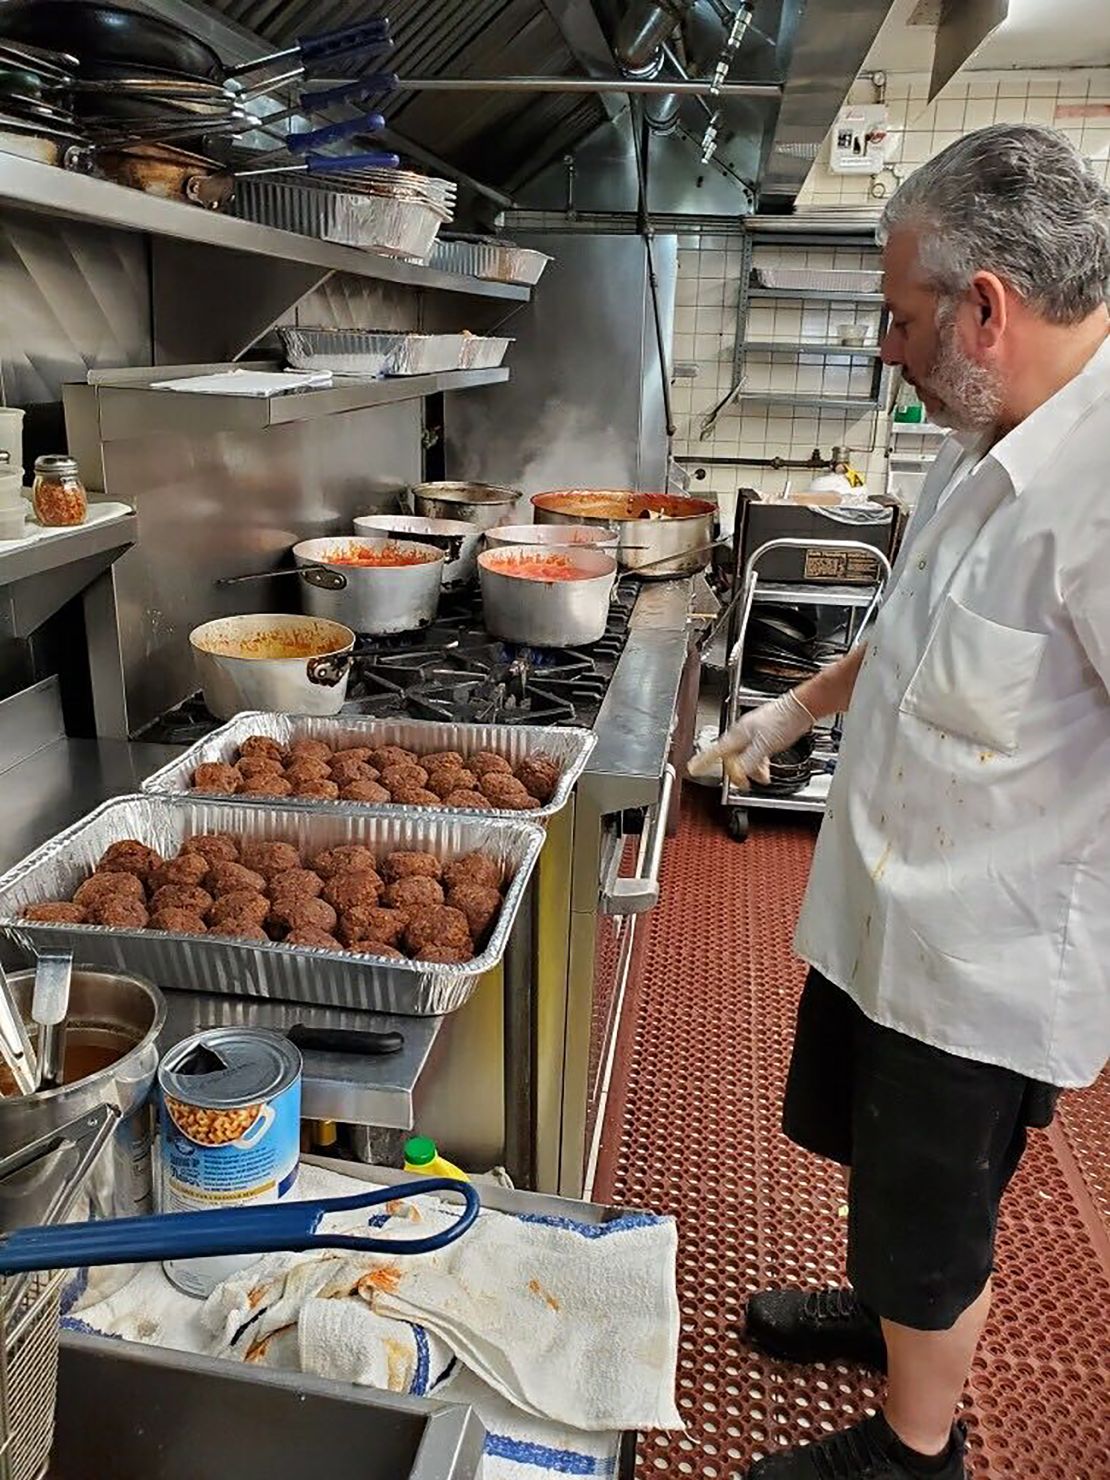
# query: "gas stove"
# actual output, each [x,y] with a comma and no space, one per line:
[454,670]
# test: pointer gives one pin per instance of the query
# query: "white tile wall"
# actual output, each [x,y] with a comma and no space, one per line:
[709,272]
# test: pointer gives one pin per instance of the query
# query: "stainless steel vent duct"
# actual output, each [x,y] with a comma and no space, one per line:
[644,27]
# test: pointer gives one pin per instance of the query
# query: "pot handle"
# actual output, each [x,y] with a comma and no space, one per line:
[328,670]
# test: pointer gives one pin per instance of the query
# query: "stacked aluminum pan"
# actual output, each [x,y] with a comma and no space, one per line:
[366,352]
[498,262]
[238,968]
[570,748]
[389,211]
[824,280]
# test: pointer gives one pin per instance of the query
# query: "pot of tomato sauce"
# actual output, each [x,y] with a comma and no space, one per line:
[546,598]
[273,661]
[392,585]
[666,534]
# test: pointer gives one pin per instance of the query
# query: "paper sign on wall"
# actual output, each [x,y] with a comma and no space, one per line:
[859,139]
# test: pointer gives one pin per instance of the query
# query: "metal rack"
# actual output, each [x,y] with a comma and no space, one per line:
[858,603]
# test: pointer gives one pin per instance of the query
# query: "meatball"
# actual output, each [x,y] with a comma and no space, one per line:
[310,750]
[317,791]
[239,904]
[446,955]
[364,791]
[118,912]
[344,891]
[98,886]
[186,868]
[55,912]
[415,892]
[470,801]
[371,922]
[269,859]
[216,847]
[250,766]
[348,858]
[223,878]
[178,921]
[408,865]
[265,786]
[240,927]
[300,914]
[503,790]
[187,897]
[479,904]
[414,796]
[344,772]
[447,779]
[442,760]
[472,868]
[539,775]
[391,755]
[377,948]
[438,925]
[484,761]
[306,770]
[308,935]
[299,882]
[262,745]
[216,779]
[360,753]
[395,776]
[129,857]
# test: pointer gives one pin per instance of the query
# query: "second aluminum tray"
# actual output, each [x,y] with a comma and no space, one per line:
[569,747]
[201,963]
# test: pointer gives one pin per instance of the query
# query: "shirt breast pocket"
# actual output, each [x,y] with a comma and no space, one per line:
[974,677]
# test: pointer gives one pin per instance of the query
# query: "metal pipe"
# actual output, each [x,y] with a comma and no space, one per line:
[695,88]
[642,30]
[647,231]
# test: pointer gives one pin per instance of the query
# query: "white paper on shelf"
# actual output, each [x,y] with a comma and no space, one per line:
[246,382]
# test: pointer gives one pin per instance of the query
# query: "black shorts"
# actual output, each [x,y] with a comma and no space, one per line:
[932,1140]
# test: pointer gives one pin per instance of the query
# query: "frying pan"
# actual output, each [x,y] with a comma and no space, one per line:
[35,140]
[111,33]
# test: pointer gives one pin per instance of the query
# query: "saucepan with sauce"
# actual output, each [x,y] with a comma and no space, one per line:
[661,534]
[111,1057]
[392,585]
[273,661]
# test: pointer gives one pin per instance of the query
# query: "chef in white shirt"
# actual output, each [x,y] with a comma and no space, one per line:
[957,920]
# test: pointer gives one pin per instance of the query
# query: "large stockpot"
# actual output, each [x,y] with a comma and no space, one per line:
[274,661]
[458,541]
[481,504]
[569,612]
[377,598]
[552,537]
[662,530]
[112,1028]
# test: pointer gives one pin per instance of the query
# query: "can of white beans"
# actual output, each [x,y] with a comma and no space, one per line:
[229,1134]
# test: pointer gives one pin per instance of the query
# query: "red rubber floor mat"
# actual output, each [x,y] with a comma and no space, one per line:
[692,1128]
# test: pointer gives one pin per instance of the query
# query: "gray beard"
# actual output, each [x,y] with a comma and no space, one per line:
[971,395]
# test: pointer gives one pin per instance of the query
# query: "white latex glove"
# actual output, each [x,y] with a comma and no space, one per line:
[746,749]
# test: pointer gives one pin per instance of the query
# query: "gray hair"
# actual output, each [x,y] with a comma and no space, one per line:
[1018,201]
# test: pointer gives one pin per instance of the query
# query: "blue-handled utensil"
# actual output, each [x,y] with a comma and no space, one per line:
[328,45]
[271,1228]
[299,141]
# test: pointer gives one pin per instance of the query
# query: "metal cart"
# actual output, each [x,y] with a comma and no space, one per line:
[859,604]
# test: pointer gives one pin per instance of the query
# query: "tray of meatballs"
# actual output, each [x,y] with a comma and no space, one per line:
[391,912]
[499,770]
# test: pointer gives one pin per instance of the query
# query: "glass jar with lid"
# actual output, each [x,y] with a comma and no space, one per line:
[58,494]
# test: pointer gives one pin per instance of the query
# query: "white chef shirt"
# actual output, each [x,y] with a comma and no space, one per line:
[960,890]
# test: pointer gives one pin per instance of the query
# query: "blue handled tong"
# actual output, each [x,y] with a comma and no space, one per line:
[266,1229]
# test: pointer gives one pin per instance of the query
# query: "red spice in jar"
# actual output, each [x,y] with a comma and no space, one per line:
[58,494]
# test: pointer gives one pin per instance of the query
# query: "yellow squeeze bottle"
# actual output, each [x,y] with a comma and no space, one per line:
[421,1156]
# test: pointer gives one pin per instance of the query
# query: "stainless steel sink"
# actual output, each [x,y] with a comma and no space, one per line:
[143,1413]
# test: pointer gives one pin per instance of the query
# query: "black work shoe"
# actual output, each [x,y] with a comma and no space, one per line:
[867,1451]
[815,1326]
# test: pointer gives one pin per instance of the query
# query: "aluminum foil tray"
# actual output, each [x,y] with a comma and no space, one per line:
[568,746]
[404,228]
[370,353]
[484,352]
[498,262]
[825,280]
[200,963]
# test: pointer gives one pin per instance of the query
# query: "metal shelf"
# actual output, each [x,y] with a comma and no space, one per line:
[858,405]
[812,798]
[47,553]
[127,411]
[823,295]
[808,593]
[917,429]
[819,347]
[43,187]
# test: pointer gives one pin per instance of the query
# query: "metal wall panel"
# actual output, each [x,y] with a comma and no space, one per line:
[584,405]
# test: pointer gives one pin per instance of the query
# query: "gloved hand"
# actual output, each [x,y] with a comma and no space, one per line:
[746,749]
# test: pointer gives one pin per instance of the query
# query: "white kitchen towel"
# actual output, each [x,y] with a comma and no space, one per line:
[520,1447]
[348,1341]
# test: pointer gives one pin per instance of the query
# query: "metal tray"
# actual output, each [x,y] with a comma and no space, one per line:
[498,262]
[569,746]
[200,963]
[483,352]
[404,228]
[374,353]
